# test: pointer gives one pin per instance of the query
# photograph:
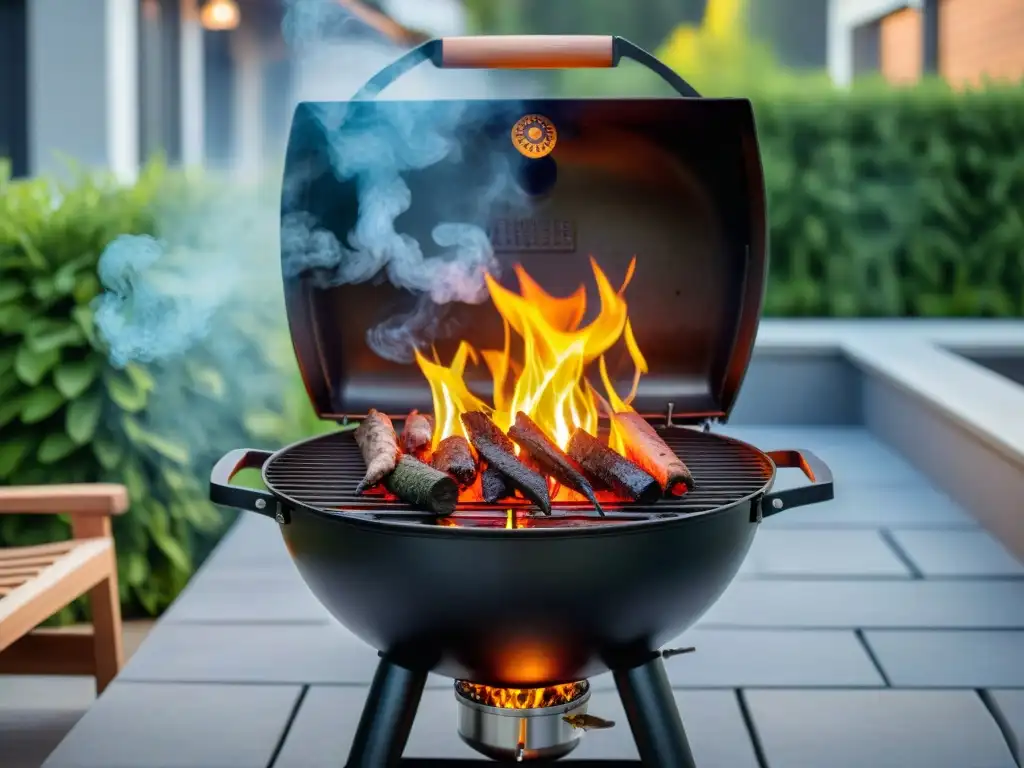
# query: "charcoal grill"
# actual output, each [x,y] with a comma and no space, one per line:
[498,595]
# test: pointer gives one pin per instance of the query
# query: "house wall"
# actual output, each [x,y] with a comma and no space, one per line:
[979,38]
[846,15]
[901,40]
[13,90]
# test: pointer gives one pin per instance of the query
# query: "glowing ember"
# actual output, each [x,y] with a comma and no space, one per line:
[521,698]
[545,378]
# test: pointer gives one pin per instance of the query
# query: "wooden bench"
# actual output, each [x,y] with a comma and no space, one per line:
[36,582]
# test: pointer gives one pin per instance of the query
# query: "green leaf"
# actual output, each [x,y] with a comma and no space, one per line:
[208,380]
[140,377]
[12,451]
[265,424]
[107,452]
[31,365]
[10,409]
[84,318]
[136,569]
[8,382]
[86,289]
[13,318]
[125,393]
[72,379]
[7,359]
[11,290]
[55,447]
[51,335]
[166,447]
[173,551]
[39,404]
[134,479]
[83,416]
[158,525]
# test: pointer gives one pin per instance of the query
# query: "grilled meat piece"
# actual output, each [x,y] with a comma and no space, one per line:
[423,486]
[417,434]
[494,446]
[645,448]
[454,457]
[610,470]
[550,458]
[376,438]
[493,485]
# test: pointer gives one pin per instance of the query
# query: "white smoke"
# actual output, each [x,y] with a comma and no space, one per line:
[373,149]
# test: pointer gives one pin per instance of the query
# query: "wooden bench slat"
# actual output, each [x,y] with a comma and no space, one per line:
[79,498]
[72,575]
[38,550]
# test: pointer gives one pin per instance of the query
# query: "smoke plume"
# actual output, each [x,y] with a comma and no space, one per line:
[148,313]
[373,149]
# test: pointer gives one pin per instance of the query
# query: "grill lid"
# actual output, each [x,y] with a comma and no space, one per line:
[392,211]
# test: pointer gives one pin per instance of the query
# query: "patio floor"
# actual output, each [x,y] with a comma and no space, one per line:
[882,629]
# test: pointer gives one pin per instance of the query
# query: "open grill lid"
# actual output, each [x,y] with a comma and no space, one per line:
[422,193]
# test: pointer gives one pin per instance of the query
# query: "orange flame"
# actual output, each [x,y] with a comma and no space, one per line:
[548,382]
[522,698]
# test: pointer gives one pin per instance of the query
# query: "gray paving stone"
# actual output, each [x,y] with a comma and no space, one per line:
[238,653]
[253,541]
[881,729]
[745,658]
[138,725]
[951,659]
[267,594]
[36,713]
[957,554]
[1009,706]
[851,452]
[859,506]
[894,604]
[46,692]
[27,737]
[787,553]
[325,725]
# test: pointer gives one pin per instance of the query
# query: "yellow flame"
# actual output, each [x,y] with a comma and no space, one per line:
[548,380]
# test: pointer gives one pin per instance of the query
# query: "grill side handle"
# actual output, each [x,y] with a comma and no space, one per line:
[816,470]
[524,52]
[227,495]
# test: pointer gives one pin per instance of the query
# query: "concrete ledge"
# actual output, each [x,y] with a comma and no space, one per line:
[800,387]
[958,421]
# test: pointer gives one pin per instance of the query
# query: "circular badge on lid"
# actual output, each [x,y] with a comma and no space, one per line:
[534,136]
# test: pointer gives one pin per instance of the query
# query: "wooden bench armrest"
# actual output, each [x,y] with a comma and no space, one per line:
[100,499]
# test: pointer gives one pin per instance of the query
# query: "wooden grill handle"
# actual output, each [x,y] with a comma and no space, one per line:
[528,52]
[523,52]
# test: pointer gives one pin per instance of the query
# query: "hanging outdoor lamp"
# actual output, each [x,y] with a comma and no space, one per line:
[220,15]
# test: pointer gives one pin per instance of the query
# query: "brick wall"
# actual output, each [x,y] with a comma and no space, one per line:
[981,37]
[900,45]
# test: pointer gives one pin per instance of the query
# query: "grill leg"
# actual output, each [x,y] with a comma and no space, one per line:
[387,717]
[653,716]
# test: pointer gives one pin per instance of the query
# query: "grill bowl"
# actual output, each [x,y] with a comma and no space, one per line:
[527,607]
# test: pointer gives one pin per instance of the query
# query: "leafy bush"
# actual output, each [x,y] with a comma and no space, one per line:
[895,202]
[67,415]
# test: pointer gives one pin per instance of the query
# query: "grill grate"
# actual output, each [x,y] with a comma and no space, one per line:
[322,473]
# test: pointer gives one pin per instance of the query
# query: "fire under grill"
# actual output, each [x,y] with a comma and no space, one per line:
[322,474]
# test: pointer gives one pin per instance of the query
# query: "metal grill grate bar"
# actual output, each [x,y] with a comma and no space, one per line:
[323,472]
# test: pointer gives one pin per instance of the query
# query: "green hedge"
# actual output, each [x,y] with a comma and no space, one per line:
[895,202]
[67,415]
[882,203]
